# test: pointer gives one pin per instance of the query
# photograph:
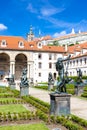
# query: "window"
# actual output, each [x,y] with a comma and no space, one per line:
[50,56]
[73,63]
[39,56]
[50,65]
[80,61]
[39,65]
[3,43]
[70,63]
[39,74]
[77,62]
[84,60]
[39,45]
[21,44]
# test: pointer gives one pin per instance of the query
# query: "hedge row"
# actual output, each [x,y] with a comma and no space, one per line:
[66,122]
[84,92]
[12,102]
[5,95]
[36,104]
[17,116]
[79,120]
[40,102]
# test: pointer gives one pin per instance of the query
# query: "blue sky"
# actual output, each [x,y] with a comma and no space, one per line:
[47,17]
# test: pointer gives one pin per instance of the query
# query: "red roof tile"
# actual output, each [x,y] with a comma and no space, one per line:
[12,43]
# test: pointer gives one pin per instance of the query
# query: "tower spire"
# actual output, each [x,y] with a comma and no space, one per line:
[31,30]
[30,35]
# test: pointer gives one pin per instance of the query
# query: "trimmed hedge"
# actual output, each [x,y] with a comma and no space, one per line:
[84,92]
[79,120]
[36,104]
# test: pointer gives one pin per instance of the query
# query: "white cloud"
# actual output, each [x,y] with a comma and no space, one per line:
[31,8]
[48,11]
[59,34]
[2,27]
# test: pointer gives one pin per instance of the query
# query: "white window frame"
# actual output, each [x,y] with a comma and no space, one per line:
[21,44]
[3,43]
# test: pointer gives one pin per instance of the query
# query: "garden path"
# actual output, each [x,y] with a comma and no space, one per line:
[78,106]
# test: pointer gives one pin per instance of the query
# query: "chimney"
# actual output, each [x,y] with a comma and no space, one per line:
[66,47]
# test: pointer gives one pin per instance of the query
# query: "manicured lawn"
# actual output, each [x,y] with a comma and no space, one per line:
[12,108]
[40,126]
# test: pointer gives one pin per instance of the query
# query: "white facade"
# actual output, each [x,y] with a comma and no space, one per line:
[77,38]
[44,65]
[68,39]
[79,62]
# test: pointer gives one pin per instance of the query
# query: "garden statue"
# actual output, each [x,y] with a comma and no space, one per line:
[50,81]
[79,84]
[24,80]
[79,74]
[60,100]
[24,84]
[11,79]
[61,85]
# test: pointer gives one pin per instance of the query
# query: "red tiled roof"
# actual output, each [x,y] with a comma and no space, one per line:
[77,47]
[12,43]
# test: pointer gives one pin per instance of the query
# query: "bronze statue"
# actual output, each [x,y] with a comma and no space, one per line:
[79,74]
[50,79]
[61,85]
[24,80]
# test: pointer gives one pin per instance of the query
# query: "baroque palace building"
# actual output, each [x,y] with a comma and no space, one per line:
[17,53]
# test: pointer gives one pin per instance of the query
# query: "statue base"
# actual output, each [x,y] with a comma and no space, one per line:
[60,104]
[12,86]
[79,90]
[24,91]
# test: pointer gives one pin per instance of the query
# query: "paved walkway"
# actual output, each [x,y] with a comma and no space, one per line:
[78,106]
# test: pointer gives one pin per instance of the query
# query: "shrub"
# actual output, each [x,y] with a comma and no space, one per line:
[42,115]
[15,116]
[79,120]
[71,126]
[9,116]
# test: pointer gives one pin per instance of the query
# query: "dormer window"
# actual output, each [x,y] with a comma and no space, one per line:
[21,44]
[39,45]
[3,43]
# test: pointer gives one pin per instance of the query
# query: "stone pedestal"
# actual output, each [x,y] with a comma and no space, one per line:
[12,86]
[79,90]
[24,91]
[60,104]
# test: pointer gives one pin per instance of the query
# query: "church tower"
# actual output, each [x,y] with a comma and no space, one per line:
[30,35]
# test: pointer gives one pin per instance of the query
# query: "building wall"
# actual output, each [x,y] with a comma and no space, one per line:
[79,62]
[80,38]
